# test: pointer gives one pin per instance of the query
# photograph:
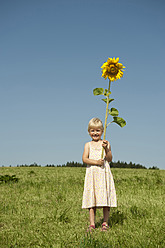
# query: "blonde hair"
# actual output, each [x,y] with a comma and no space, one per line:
[95,123]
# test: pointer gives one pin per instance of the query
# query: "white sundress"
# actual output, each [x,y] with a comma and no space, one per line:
[99,188]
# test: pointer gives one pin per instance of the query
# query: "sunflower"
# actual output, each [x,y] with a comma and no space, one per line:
[112,69]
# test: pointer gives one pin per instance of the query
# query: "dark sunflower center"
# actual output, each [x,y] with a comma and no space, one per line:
[113,70]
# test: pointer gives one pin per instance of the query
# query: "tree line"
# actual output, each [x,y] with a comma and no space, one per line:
[118,164]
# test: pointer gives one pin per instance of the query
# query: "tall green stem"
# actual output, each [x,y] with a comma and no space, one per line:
[106,116]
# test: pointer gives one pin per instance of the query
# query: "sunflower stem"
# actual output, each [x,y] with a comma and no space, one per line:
[106,116]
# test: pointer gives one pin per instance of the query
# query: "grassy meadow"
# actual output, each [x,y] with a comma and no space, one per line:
[43,209]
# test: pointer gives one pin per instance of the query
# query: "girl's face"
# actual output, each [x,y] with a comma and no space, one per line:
[95,133]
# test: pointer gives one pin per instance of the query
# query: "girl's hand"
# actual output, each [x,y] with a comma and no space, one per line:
[100,162]
[105,144]
[107,148]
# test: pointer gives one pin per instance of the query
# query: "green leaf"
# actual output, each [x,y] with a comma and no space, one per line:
[106,93]
[105,100]
[120,121]
[98,91]
[113,112]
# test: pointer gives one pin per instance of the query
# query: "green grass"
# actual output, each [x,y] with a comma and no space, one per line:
[43,209]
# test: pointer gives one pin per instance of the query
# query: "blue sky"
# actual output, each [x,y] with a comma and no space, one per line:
[50,58]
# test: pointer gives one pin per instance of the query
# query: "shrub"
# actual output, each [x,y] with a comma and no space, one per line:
[7,178]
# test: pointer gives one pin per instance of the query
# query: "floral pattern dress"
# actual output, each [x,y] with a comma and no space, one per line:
[99,188]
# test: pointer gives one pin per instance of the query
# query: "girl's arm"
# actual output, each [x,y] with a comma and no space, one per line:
[86,160]
[107,148]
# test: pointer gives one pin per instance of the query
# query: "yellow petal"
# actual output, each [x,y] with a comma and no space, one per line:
[113,60]
[119,65]
[109,60]
[117,60]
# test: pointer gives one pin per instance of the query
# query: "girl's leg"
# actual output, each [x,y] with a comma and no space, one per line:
[106,211]
[92,215]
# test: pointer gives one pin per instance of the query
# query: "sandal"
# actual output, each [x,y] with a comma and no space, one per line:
[90,228]
[105,227]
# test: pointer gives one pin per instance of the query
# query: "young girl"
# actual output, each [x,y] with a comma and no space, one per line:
[99,189]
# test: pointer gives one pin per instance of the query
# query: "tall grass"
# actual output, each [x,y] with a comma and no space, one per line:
[43,209]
